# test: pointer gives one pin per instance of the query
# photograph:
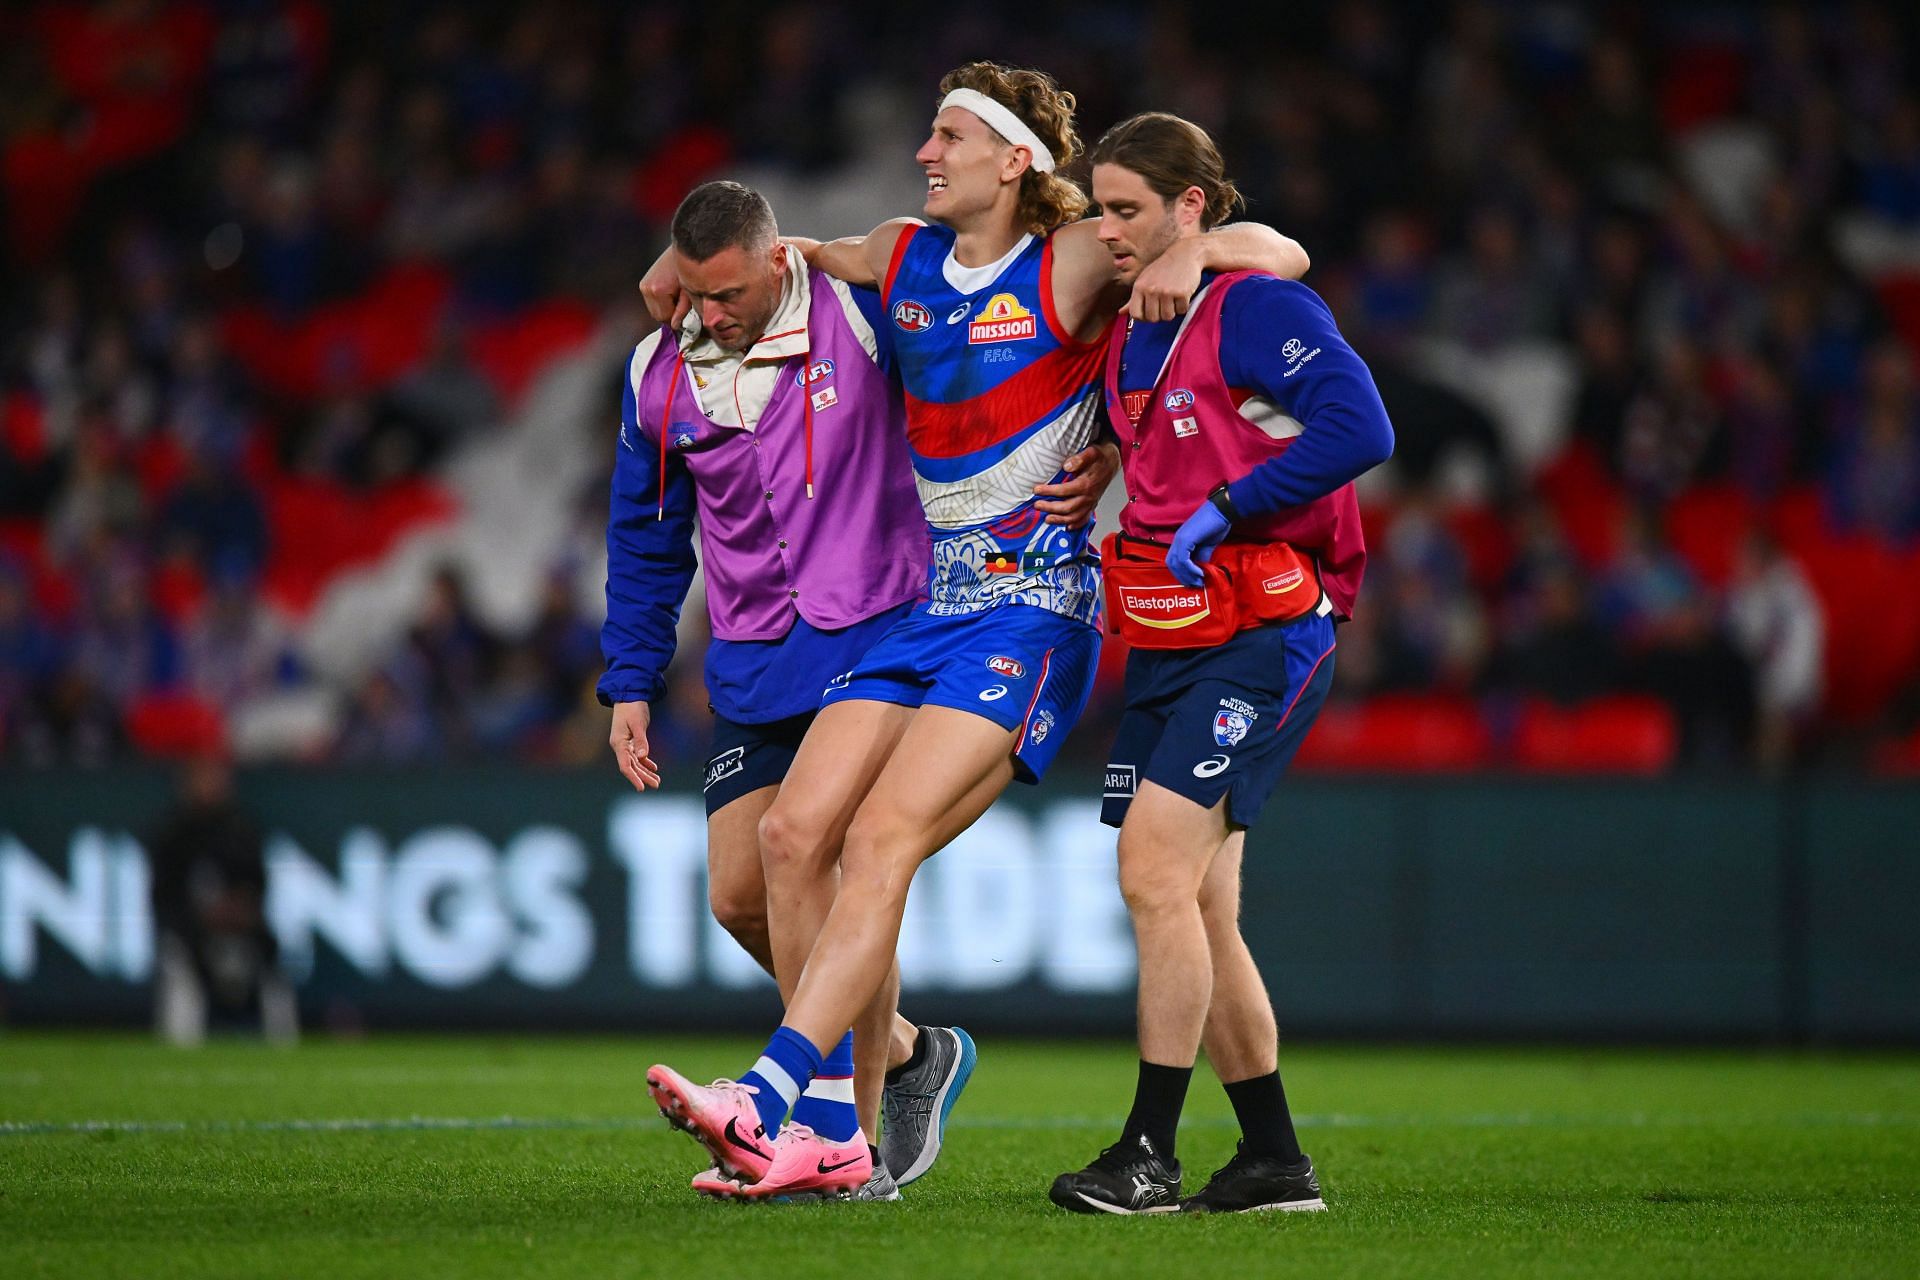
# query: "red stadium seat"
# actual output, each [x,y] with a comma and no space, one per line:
[1871,594]
[1706,525]
[1399,733]
[1486,542]
[1624,734]
[320,529]
[363,343]
[1587,501]
[1900,295]
[1898,757]
[514,351]
[175,724]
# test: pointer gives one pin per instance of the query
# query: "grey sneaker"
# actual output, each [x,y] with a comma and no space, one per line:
[915,1106]
[880,1186]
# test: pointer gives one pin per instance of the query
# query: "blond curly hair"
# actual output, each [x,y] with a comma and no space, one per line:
[1047,200]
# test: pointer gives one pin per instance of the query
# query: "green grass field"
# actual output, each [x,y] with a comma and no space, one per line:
[542,1157]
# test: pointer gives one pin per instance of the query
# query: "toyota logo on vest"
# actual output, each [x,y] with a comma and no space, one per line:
[911,316]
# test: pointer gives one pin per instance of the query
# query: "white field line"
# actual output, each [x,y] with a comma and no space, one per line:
[1519,1120]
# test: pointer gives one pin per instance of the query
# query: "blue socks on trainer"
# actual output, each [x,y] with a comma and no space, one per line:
[827,1105]
[788,1065]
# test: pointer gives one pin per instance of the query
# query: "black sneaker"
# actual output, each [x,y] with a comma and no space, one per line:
[1250,1182]
[1129,1177]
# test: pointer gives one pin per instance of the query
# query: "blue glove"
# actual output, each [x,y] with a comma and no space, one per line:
[1195,541]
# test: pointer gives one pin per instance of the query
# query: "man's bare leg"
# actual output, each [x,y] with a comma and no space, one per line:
[737,895]
[1242,1041]
[1241,1037]
[736,886]
[1167,845]
[798,848]
[948,767]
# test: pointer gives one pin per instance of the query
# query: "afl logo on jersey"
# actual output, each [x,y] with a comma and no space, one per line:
[911,316]
[813,373]
[1179,398]
[1004,320]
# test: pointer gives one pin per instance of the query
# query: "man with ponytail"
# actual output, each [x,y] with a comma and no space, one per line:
[998,313]
[1239,548]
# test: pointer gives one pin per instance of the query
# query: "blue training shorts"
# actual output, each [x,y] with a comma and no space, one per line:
[747,757]
[1222,721]
[1019,666]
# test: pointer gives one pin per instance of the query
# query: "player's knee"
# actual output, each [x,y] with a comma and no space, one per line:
[1221,914]
[740,909]
[789,843]
[878,858]
[1150,886]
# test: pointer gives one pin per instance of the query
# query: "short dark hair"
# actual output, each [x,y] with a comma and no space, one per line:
[1171,154]
[719,215]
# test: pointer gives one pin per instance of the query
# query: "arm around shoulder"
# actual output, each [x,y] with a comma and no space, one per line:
[1253,246]
[858,260]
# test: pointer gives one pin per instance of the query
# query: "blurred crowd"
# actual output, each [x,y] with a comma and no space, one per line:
[1705,218]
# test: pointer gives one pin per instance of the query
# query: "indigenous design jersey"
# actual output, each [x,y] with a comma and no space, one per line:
[998,397]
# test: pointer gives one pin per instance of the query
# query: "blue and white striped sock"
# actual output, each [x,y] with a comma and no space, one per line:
[788,1065]
[827,1105]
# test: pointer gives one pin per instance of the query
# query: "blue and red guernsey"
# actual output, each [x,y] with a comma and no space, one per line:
[998,396]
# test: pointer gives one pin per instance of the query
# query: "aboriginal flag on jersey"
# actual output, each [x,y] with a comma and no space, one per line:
[998,397]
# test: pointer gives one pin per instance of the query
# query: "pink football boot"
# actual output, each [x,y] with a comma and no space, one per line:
[720,1116]
[805,1166]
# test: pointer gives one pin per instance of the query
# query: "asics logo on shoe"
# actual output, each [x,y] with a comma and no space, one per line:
[1142,1188]
[732,1135]
[824,1167]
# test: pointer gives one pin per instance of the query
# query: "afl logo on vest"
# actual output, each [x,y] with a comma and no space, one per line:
[1004,320]
[1179,398]
[911,316]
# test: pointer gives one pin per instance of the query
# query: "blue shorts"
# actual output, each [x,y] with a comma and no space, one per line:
[1206,723]
[1019,666]
[747,757]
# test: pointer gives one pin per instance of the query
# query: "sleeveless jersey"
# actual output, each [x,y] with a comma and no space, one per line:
[998,396]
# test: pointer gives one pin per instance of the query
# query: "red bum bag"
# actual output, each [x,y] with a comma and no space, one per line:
[1245,585]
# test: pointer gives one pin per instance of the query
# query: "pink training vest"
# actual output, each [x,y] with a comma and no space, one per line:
[1191,438]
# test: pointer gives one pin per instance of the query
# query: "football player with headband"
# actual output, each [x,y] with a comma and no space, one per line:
[1239,547]
[999,313]
[773,416]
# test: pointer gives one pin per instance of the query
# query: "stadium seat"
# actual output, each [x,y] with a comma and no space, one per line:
[1624,734]
[175,724]
[1706,524]
[1900,295]
[320,529]
[1486,543]
[1898,757]
[1399,733]
[1873,619]
[364,342]
[512,352]
[1586,500]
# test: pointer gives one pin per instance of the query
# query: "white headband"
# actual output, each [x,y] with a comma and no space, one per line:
[1003,122]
